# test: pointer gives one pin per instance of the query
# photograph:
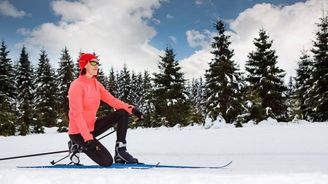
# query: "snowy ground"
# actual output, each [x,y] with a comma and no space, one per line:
[269,153]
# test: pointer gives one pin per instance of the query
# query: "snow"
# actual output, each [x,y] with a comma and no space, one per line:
[270,153]
[218,123]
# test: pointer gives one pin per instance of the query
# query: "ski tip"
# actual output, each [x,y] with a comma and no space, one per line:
[230,162]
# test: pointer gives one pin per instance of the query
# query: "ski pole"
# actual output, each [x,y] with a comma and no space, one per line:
[48,153]
[53,162]
[33,155]
[106,135]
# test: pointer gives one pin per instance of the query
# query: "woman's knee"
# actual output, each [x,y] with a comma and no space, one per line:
[122,113]
[106,162]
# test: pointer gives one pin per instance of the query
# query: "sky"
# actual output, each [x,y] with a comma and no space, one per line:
[136,33]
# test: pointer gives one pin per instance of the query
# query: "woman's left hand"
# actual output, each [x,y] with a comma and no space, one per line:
[137,113]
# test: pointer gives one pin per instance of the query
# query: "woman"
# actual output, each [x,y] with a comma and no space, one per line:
[84,97]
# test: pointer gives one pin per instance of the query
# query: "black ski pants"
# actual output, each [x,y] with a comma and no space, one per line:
[101,155]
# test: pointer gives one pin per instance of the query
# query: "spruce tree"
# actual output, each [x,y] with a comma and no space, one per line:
[134,89]
[7,93]
[145,100]
[266,79]
[302,98]
[222,79]
[25,88]
[7,87]
[290,99]
[46,94]
[253,105]
[169,95]
[136,92]
[102,78]
[7,119]
[104,109]
[112,85]
[140,93]
[137,89]
[319,91]
[124,85]
[65,75]
[196,91]
[76,69]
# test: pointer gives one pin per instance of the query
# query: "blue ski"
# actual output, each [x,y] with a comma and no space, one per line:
[114,166]
[127,166]
[193,167]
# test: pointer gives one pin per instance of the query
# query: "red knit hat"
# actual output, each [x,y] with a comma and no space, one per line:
[85,58]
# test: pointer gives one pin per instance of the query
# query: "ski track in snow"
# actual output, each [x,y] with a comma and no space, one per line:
[272,153]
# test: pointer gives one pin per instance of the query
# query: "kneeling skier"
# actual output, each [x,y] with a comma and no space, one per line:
[85,94]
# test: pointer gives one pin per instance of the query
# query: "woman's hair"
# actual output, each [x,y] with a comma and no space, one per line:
[83,71]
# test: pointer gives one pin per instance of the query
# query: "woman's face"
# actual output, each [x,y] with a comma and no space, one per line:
[92,68]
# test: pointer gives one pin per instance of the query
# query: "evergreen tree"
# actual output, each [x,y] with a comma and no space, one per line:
[169,94]
[124,85]
[104,109]
[46,92]
[136,93]
[65,75]
[196,91]
[25,88]
[320,73]
[7,119]
[112,85]
[102,78]
[76,69]
[266,79]
[7,87]
[222,79]
[7,93]
[134,87]
[253,106]
[137,89]
[302,98]
[290,99]
[145,100]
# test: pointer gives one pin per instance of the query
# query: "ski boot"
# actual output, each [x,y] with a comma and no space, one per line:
[74,152]
[122,156]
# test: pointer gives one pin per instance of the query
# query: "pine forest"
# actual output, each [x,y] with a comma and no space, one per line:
[33,97]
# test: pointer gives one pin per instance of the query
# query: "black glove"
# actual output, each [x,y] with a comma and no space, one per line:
[137,113]
[92,145]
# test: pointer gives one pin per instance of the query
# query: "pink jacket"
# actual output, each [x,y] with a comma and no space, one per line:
[84,97]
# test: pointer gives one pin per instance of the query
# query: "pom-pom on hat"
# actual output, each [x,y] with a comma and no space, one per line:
[85,58]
